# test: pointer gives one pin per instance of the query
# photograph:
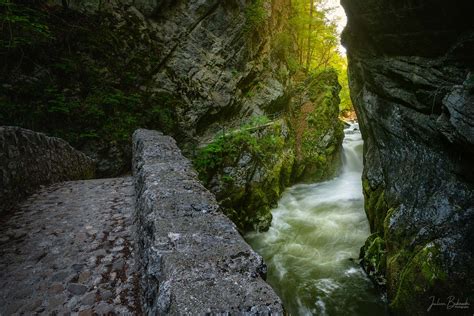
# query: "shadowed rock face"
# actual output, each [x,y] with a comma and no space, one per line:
[410,66]
[209,59]
[216,64]
[204,65]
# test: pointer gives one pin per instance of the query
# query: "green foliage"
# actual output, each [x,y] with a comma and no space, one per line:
[293,64]
[310,44]
[282,46]
[314,36]
[374,258]
[247,199]
[255,15]
[256,121]
[341,67]
[22,27]
[89,83]
[225,147]
[211,157]
[227,178]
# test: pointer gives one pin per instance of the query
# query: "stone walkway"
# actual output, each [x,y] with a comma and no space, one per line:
[68,249]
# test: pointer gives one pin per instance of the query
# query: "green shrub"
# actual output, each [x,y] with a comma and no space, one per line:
[226,147]
[22,27]
[84,78]
[255,15]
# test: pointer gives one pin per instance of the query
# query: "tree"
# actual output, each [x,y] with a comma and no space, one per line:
[315,42]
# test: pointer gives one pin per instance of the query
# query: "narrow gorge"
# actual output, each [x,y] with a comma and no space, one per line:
[410,70]
[231,157]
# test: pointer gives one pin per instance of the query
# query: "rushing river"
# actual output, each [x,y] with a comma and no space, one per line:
[312,247]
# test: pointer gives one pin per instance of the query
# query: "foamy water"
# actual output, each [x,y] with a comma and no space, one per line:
[312,247]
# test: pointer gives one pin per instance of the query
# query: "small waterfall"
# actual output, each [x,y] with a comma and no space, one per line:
[312,247]
[352,150]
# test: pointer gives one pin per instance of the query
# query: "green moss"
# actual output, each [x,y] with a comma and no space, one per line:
[396,262]
[373,255]
[254,214]
[22,27]
[255,16]
[268,172]
[386,221]
[424,274]
[375,206]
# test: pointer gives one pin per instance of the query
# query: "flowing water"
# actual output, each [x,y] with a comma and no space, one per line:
[312,247]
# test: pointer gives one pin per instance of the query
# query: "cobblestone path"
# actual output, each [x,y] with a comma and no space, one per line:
[68,249]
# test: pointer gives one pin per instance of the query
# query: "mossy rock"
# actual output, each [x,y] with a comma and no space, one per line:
[250,187]
[248,169]
[317,128]
[373,255]
[422,277]
[375,206]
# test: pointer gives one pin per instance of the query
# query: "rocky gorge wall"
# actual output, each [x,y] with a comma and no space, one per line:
[192,258]
[94,71]
[197,65]
[248,168]
[412,83]
[29,160]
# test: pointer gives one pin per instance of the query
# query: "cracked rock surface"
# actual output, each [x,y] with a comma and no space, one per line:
[412,83]
[68,249]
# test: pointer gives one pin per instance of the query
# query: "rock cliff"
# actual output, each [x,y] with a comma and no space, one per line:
[412,83]
[213,58]
[194,66]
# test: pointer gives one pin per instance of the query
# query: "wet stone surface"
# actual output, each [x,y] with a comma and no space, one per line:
[68,249]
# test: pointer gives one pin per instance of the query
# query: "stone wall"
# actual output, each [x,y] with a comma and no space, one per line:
[192,258]
[29,159]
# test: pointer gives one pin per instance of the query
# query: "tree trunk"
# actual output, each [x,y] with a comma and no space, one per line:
[310,27]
